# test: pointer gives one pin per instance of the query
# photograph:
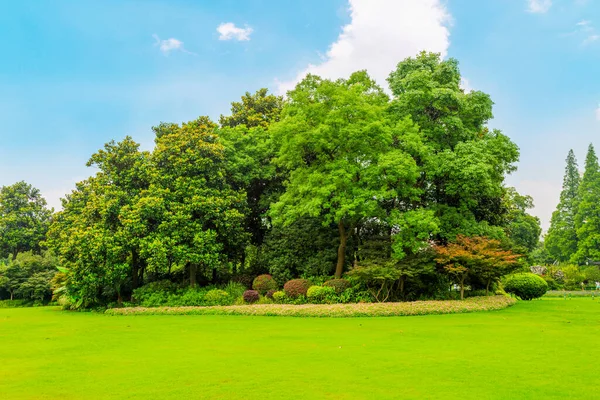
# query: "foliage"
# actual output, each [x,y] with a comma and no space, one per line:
[527,286]
[251,296]
[28,277]
[215,297]
[320,293]
[296,287]
[24,219]
[561,239]
[264,283]
[338,284]
[270,293]
[279,296]
[475,257]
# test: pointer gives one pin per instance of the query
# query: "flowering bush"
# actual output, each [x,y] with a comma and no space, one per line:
[338,284]
[264,283]
[251,296]
[527,286]
[296,287]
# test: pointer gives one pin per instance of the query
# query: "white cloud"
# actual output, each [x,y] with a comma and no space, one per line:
[465,85]
[538,6]
[590,39]
[583,22]
[598,113]
[168,45]
[228,31]
[381,33]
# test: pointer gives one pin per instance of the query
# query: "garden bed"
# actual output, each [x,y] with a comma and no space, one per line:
[572,293]
[333,310]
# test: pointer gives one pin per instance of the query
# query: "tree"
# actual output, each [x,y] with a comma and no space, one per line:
[24,219]
[479,257]
[461,163]
[587,218]
[258,109]
[522,229]
[561,239]
[190,215]
[335,139]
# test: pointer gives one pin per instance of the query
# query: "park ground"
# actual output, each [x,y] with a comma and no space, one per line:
[542,349]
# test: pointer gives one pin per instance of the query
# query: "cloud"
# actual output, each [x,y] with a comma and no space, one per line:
[228,31]
[598,113]
[538,6]
[381,33]
[168,45]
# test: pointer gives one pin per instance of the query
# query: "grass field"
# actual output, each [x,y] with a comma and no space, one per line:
[545,349]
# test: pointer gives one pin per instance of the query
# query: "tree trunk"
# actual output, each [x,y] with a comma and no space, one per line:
[462,288]
[14,254]
[134,269]
[487,288]
[11,295]
[193,270]
[402,286]
[341,250]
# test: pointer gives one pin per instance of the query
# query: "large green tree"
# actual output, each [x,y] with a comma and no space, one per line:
[462,164]
[587,218]
[24,219]
[561,239]
[336,139]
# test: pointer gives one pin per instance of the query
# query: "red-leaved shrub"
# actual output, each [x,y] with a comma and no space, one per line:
[251,296]
[296,287]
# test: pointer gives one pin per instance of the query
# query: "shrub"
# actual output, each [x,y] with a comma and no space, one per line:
[527,286]
[338,284]
[264,283]
[149,291]
[279,296]
[217,297]
[269,294]
[235,289]
[251,296]
[296,287]
[320,293]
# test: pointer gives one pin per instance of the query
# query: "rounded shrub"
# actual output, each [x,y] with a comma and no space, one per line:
[279,296]
[269,294]
[296,287]
[338,284]
[527,286]
[264,283]
[319,293]
[217,297]
[251,296]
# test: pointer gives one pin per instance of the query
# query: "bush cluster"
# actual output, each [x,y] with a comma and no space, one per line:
[321,293]
[338,284]
[264,283]
[296,287]
[527,286]
[251,296]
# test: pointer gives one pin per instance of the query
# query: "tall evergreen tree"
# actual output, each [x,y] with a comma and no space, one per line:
[561,240]
[587,219]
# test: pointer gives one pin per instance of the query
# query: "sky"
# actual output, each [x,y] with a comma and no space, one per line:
[77,74]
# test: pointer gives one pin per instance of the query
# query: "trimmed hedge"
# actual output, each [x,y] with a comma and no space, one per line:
[251,296]
[264,283]
[527,286]
[319,293]
[472,304]
[338,284]
[296,287]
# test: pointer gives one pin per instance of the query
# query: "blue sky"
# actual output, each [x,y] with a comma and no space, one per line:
[75,75]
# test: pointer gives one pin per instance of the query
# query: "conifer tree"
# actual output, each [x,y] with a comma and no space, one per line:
[561,240]
[587,219]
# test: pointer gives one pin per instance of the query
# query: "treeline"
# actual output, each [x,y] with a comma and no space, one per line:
[572,244]
[337,177]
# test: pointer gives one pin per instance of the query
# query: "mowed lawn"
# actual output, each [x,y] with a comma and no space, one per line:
[544,349]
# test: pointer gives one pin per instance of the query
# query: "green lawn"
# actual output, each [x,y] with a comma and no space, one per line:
[545,349]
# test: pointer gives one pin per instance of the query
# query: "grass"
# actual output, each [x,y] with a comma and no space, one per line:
[572,293]
[544,349]
[472,304]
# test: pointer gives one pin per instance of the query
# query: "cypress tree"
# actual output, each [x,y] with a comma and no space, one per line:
[587,219]
[561,239]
